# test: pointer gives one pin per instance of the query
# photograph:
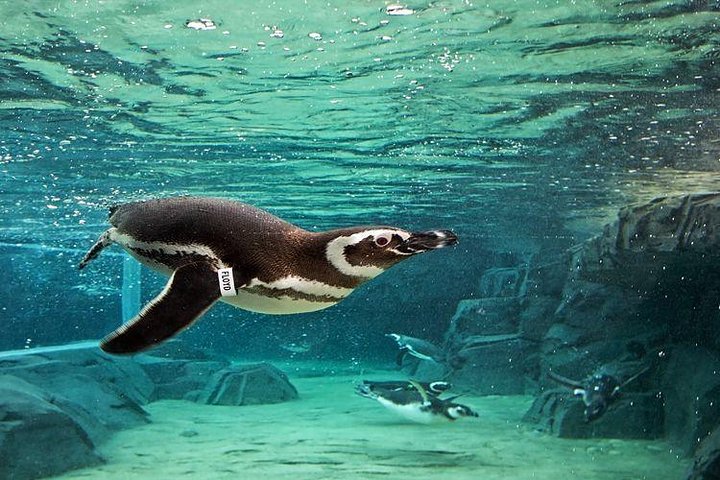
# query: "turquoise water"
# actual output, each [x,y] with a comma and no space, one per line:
[523,126]
[516,123]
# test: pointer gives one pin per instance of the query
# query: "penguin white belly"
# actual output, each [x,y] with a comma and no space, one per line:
[413,411]
[286,295]
[274,305]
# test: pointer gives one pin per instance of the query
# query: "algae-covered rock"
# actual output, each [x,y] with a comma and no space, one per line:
[248,385]
[37,437]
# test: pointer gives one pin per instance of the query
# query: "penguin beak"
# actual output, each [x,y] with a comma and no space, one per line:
[419,242]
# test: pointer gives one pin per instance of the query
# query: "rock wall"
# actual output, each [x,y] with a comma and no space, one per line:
[57,406]
[641,296]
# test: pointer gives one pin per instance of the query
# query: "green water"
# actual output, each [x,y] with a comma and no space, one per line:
[521,125]
[489,114]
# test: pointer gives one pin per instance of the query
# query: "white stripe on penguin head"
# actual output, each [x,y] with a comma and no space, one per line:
[335,252]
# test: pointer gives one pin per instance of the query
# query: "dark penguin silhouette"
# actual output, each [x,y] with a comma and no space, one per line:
[424,350]
[597,392]
[417,348]
[214,249]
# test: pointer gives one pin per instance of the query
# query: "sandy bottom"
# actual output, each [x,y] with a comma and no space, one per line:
[331,433]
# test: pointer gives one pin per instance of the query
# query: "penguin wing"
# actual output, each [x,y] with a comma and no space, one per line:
[191,290]
[401,356]
[422,392]
[632,378]
[564,381]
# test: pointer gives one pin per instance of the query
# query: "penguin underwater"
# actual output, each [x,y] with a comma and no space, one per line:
[414,402]
[597,392]
[214,249]
[417,348]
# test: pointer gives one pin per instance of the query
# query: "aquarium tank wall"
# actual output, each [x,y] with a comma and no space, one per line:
[487,235]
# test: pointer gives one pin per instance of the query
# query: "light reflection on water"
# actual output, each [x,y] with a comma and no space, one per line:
[514,123]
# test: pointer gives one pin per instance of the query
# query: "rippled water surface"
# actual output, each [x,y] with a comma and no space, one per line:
[513,123]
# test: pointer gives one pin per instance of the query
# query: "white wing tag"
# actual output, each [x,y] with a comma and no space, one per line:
[227,282]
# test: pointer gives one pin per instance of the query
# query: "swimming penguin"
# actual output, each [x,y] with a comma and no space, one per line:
[416,347]
[214,249]
[597,392]
[434,388]
[416,404]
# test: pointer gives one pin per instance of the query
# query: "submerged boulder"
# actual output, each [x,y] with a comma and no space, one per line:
[248,385]
[486,351]
[493,365]
[645,290]
[706,464]
[635,415]
[57,405]
[690,382]
[178,379]
[38,438]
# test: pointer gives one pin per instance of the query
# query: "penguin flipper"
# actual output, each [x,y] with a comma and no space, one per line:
[633,378]
[191,290]
[421,391]
[401,356]
[564,381]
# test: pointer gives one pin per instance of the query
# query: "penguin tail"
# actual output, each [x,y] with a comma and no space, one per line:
[95,250]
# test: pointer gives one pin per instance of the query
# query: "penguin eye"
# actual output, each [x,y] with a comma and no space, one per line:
[382,240]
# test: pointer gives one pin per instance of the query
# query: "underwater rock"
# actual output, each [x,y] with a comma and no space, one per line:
[47,370]
[484,316]
[96,407]
[92,388]
[121,374]
[37,438]
[248,385]
[503,282]
[644,292]
[536,317]
[178,379]
[633,416]
[657,243]
[493,365]
[706,464]
[487,355]
[690,383]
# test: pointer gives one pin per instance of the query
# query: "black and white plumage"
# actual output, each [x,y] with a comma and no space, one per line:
[416,404]
[597,392]
[433,388]
[416,347]
[214,249]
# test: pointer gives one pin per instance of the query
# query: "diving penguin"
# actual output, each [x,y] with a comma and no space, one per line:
[417,348]
[597,392]
[214,249]
[416,404]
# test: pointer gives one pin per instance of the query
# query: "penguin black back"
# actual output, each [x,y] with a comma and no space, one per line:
[215,249]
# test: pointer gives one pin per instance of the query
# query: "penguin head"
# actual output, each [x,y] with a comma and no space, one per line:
[368,251]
